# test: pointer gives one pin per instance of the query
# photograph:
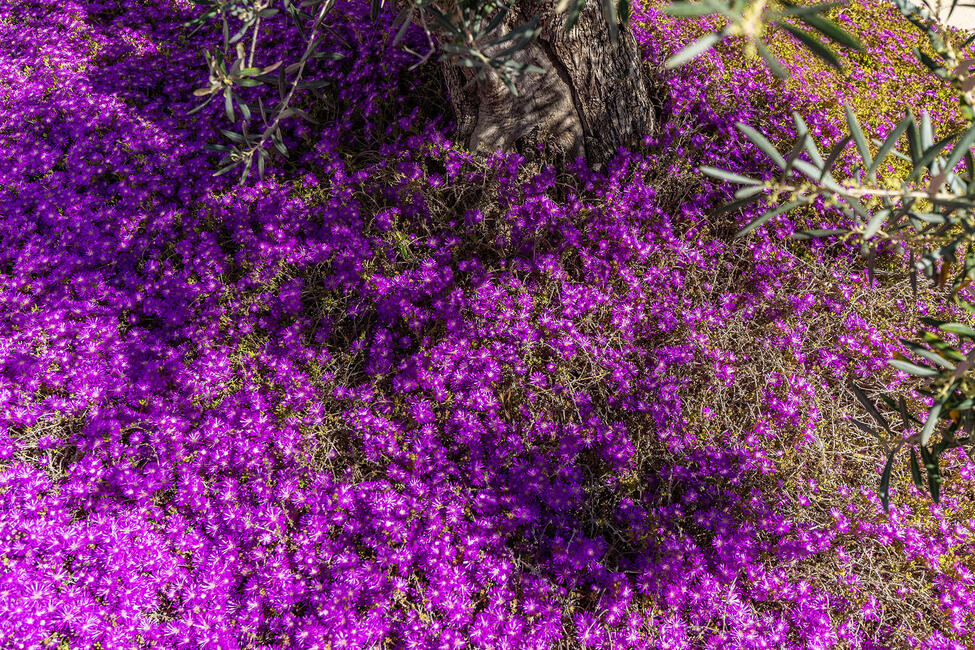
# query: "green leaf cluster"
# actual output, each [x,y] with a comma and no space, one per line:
[750,19]
[931,208]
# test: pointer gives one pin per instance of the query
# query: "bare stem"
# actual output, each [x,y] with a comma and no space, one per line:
[257,28]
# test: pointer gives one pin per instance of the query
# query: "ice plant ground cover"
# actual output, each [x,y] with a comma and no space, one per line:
[395,396]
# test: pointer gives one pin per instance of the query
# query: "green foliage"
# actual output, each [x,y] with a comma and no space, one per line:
[751,18]
[232,67]
[471,35]
[932,208]
[474,34]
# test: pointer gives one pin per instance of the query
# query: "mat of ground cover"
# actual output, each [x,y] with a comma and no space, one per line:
[319,411]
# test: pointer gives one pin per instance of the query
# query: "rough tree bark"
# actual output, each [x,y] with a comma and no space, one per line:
[592,98]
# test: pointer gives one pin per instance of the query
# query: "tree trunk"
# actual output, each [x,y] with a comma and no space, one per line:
[591,99]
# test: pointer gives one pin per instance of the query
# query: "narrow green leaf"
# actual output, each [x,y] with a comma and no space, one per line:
[930,423]
[862,426]
[757,223]
[228,105]
[749,190]
[963,147]
[857,134]
[771,60]
[491,26]
[814,173]
[834,153]
[200,107]
[818,234]
[794,10]
[871,409]
[796,150]
[694,50]
[231,135]
[885,478]
[689,9]
[814,45]
[927,130]
[247,171]
[522,34]
[735,205]
[575,10]
[934,472]
[913,369]
[934,358]
[714,172]
[612,20]
[959,329]
[916,472]
[832,31]
[762,143]
[888,145]
[875,223]
[929,157]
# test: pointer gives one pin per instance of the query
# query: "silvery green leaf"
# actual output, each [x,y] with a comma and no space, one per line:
[756,223]
[927,131]
[624,11]
[488,29]
[936,68]
[762,143]
[247,171]
[834,153]
[771,61]
[888,145]
[612,20]
[796,151]
[818,234]
[857,133]
[809,143]
[814,45]
[958,328]
[690,9]
[228,105]
[722,174]
[523,34]
[735,205]
[750,190]
[694,50]
[961,148]
[230,135]
[930,158]
[875,223]
[862,426]
[574,10]
[913,369]
[795,10]
[934,358]
[828,28]
[201,106]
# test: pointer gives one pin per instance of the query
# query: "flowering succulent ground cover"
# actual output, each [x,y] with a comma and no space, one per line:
[397,396]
